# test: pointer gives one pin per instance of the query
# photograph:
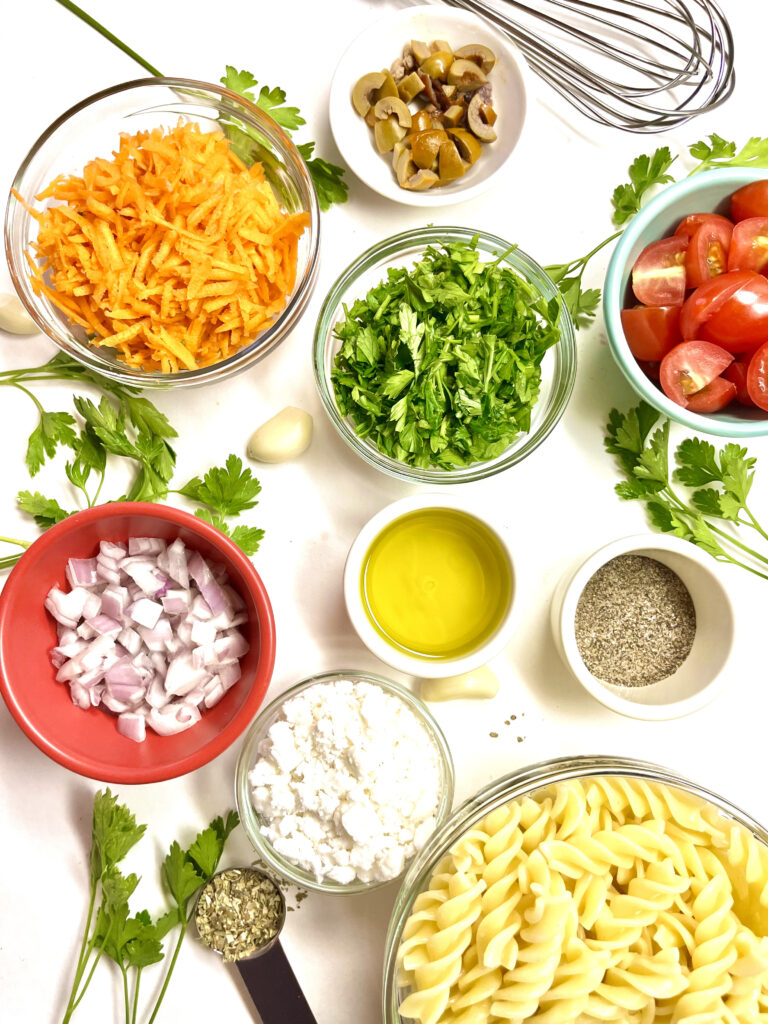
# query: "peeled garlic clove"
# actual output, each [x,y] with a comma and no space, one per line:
[476,684]
[14,318]
[285,436]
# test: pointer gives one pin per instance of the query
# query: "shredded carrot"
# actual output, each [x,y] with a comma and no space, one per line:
[173,254]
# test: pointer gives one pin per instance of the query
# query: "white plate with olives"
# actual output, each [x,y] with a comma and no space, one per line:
[428,104]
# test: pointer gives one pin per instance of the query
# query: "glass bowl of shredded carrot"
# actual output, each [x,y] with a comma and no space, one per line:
[164,233]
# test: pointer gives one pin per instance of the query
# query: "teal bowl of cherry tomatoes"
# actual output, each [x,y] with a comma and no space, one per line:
[686,302]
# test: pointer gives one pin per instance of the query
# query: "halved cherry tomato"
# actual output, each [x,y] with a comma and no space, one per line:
[689,367]
[688,227]
[736,373]
[749,245]
[757,377]
[707,253]
[650,368]
[741,322]
[658,276]
[714,300]
[713,397]
[750,201]
[651,331]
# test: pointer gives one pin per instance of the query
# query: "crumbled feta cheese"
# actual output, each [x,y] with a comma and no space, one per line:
[347,782]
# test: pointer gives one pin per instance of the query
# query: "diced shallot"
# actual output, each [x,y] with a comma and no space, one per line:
[132,726]
[147,632]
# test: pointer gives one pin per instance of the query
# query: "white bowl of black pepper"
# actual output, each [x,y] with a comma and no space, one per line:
[646,625]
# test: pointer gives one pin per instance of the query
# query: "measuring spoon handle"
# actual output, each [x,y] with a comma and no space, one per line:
[273,987]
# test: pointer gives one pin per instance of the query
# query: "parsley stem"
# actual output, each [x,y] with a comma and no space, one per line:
[695,514]
[171,966]
[8,562]
[28,393]
[83,16]
[83,956]
[19,543]
[126,997]
[754,524]
[136,994]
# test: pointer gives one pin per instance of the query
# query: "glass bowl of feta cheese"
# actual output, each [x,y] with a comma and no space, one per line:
[342,780]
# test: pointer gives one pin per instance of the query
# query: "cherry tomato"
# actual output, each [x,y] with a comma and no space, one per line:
[736,373]
[749,245]
[688,227]
[716,299]
[658,276]
[707,253]
[750,201]
[741,322]
[651,369]
[713,397]
[757,377]
[689,367]
[651,331]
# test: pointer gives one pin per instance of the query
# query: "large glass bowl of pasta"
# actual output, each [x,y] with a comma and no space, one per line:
[584,890]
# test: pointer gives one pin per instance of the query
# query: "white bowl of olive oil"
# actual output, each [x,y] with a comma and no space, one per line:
[430,586]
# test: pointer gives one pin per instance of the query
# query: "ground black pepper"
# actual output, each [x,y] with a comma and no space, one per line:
[635,622]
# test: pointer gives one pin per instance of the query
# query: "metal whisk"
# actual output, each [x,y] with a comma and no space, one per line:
[637,65]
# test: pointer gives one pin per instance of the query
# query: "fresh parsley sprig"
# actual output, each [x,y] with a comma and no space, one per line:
[134,942]
[124,425]
[722,482]
[720,153]
[644,173]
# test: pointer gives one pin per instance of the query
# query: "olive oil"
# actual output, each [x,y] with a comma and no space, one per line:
[436,583]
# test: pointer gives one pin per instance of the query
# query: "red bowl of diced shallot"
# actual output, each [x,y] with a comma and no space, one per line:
[137,642]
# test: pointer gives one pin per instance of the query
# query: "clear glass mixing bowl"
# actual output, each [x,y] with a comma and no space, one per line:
[91,129]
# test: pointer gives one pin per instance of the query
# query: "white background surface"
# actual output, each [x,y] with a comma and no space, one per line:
[558,506]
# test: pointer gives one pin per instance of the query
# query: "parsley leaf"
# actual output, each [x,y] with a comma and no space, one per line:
[54,428]
[326,177]
[228,491]
[440,364]
[644,172]
[247,538]
[180,877]
[114,833]
[644,459]
[45,511]
[721,153]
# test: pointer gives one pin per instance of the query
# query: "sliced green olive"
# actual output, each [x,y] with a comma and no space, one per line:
[478,121]
[387,87]
[450,166]
[410,86]
[466,143]
[364,93]
[425,147]
[466,76]
[454,115]
[393,106]
[437,65]
[386,133]
[439,45]
[421,181]
[421,121]
[478,54]
[419,50]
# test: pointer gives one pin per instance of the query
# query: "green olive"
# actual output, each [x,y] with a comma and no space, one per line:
[410,86]
[449,164]
[421,181]
[393,106]
[421,121]
[454,115]
[468,146]
[420,50]
[437,65]
[386,133]
[478,54]
[364,93]
[387,87]
[466,76]
[425,147]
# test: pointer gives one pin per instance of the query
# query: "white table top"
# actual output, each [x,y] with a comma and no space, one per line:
[558,505]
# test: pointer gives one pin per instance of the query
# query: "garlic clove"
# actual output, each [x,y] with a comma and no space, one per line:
[479,683]
[14,318]
[286,435]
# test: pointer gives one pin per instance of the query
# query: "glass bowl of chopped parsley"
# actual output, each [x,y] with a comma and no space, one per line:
[444,355]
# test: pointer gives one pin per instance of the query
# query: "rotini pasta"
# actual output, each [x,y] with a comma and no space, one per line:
[602,900]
